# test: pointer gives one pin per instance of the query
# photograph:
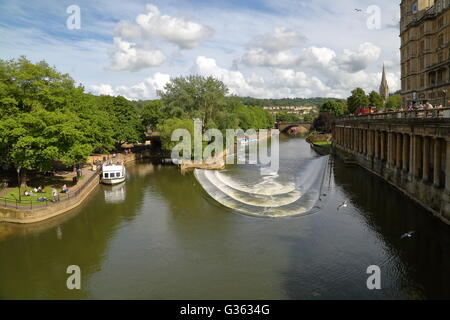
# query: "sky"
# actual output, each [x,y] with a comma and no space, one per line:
[258,48]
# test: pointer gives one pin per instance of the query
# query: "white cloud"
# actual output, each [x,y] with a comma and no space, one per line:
[127,56]
[354,61]
[181,31]
[144,90]
[264,58]
[279,40]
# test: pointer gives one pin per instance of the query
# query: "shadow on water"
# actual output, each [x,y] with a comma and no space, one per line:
[39,254]
[331,263]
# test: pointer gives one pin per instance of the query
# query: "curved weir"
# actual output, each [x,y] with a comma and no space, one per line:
[285,194]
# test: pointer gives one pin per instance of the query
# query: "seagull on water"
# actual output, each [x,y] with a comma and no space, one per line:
[408,235]
[343,205]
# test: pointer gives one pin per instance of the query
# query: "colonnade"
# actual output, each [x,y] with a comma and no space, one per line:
[420,156]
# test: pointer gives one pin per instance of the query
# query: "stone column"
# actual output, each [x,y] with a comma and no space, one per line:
[437,162]
[382,144]
[359,140]
[398,156]
[426,159]
[365,141]
[377,145]
[405,156]
[389,149]
[417,156]
[447,166]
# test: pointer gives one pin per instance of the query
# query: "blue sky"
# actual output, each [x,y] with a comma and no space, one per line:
[265,49]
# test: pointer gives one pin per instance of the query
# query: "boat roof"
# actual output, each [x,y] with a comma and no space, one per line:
[112,168]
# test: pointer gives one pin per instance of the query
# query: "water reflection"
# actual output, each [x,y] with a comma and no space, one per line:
[168,239]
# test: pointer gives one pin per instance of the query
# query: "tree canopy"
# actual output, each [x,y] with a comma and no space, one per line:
[45,117]
[358,100]
[375,100]
[333,107]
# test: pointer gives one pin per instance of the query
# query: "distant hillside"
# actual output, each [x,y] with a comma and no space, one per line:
[285,102]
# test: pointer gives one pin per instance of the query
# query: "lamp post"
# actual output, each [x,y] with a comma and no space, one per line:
[19,182]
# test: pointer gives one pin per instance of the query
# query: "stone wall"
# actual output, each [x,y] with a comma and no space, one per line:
[413,155]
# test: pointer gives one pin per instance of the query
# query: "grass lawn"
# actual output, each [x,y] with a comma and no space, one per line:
[323,143]
[13,195]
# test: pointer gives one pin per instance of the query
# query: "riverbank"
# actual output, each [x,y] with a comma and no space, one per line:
[25,214]
[217,162]
[320,143]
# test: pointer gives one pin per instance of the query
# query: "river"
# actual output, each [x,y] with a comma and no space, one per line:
[164,235]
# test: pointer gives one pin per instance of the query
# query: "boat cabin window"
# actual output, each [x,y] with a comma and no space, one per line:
[117,174]
[106,175]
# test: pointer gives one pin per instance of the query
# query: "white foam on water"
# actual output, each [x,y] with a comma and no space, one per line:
[267,187]
[268,196]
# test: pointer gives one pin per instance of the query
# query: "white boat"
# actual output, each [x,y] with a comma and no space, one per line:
[113,174]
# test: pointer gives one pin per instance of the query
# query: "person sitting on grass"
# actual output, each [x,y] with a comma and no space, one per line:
[40,189]
[26,193]
[65,189]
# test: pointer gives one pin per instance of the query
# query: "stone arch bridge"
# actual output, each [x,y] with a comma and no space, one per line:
[285,126]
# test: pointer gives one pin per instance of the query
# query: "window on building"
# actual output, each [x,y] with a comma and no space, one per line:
[440,22]
[441,41]
[414,7]
[422,81]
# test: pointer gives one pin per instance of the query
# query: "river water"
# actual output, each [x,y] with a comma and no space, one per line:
[234,235]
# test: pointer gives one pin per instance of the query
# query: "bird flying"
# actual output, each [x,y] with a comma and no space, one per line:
[408,235]
[343,205]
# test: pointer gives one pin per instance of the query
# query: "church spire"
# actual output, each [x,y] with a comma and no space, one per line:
[384,88]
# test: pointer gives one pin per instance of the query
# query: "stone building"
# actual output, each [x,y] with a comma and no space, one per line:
[384,88]
[425,51]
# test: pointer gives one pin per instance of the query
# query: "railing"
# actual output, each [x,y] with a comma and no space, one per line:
[33,204]
[437,113]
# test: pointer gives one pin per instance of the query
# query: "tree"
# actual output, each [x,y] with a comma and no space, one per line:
[193,97]
[34,140]
[324,123]
[124,119]
[358,100]
[333,107]
[152,114]
[394,102]
[375,100]
[168,126]
[309,117]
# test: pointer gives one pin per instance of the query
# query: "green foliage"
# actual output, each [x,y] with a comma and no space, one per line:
[309,117]
[394,102]
[375,100]
[193,97]
[45,118]
[284,102]
[333,107]
[151,113]
[254,118]
[168,126]
[358,100]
